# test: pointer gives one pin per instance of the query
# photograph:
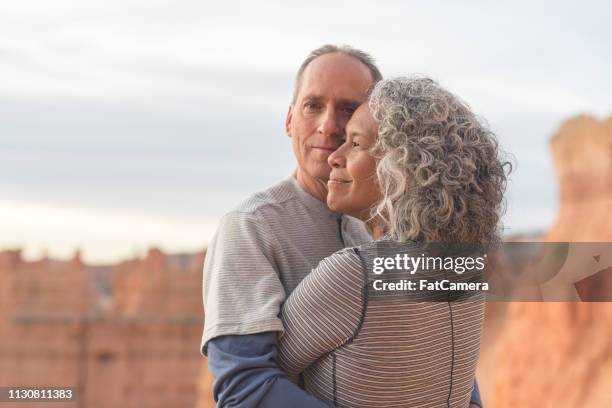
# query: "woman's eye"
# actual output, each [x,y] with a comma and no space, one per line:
[355,144]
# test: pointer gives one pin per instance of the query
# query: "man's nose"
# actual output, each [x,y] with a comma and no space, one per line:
[330,125]
[337,159]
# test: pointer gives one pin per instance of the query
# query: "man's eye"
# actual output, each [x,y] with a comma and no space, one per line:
[350,109]
[312,106]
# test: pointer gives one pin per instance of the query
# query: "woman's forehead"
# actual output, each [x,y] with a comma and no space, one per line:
[362,122]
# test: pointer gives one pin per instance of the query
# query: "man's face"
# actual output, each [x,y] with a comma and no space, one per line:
[332,87]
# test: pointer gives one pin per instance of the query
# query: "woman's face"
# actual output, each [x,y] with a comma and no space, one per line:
[353,187]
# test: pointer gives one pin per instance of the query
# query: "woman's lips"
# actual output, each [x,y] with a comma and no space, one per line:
[334,181]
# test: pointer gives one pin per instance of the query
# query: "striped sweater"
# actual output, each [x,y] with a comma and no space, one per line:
[358,347]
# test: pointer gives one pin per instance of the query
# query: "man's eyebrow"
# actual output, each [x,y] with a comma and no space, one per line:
[342,102]
[313,97]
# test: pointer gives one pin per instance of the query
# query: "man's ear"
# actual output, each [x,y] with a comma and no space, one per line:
[288,120]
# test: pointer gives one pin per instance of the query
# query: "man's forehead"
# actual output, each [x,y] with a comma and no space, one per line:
[337,59]
[335,73]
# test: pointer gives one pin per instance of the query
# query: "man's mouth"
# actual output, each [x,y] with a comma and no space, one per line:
[326,148]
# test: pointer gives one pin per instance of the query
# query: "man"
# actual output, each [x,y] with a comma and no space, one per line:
[267,245]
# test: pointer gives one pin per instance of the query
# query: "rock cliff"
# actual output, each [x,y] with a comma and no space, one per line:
[125,335]
[560,354]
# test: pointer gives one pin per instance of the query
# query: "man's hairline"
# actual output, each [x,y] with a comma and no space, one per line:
[300,77]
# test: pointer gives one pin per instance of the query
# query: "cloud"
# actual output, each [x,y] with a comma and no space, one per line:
[177,109]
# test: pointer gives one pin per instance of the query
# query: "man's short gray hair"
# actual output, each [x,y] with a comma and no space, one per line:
[359,55]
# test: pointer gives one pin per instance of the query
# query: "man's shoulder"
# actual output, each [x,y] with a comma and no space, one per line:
[274,196]
[278,202]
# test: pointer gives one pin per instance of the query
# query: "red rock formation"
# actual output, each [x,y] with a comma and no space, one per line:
[139,351]
[205,384]
[44,304]
[553,355]
[159,286]
[582,151]
[560,354]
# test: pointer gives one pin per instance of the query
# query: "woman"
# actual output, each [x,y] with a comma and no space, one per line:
[419,168]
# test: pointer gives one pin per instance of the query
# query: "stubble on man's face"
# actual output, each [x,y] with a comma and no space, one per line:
[332,87]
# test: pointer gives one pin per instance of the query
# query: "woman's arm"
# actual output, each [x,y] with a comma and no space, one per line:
[323,312]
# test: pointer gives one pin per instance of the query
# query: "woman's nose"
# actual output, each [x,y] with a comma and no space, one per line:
[337,158]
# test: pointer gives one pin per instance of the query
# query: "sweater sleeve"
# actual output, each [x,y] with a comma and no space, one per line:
[246,374]
[323,312]
[475,397]
[241,288]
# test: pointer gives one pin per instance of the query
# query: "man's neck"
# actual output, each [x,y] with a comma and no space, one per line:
[315,187]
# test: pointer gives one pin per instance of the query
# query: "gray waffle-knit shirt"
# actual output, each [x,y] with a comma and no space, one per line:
[261,251]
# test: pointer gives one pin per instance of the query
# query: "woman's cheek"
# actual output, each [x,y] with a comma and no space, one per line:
[364,168]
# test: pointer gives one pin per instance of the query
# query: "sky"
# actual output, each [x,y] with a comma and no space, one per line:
[126,125]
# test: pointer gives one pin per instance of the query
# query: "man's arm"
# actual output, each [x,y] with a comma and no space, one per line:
[475,401]
[247,374]
[241,289]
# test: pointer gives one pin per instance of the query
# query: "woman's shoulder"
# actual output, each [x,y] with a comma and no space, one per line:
[342,267]
[347,257]
[346,266]
[335,284]
[387,245]
[354,256]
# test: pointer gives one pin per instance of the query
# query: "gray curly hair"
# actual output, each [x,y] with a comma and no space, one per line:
[439,168]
